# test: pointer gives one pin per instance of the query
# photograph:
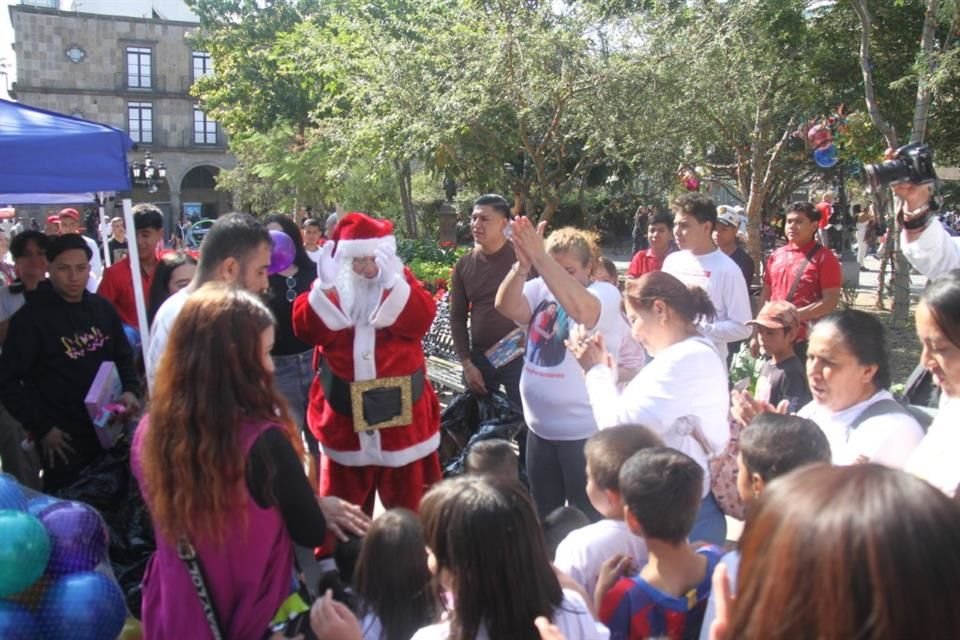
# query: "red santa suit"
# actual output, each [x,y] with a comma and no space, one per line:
[400,462]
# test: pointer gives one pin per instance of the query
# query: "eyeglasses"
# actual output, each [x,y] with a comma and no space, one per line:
[291,288]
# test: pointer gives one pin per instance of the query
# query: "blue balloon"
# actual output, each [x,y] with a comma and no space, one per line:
[11,494]
[40,504]
[826,157]
[83,606]
[17,623]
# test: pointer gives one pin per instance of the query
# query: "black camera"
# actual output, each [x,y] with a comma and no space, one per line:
[911,163]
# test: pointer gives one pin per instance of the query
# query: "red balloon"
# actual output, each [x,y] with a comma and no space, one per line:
[819,136]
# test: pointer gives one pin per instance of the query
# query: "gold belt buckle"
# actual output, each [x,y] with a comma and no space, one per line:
[357,389]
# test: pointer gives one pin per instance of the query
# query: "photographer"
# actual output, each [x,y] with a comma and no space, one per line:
[926,244]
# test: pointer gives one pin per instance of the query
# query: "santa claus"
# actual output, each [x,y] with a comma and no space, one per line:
[371,407]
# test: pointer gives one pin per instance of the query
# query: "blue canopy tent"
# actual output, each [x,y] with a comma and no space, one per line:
[43,152]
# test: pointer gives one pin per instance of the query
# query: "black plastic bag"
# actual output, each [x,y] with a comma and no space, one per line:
[108,486]
[470,418]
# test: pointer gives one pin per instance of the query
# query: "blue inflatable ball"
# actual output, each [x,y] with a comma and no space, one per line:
[11,495]
[83,606]
[40,504]
[17,623]
[78,537]
[24,551]
[826,157]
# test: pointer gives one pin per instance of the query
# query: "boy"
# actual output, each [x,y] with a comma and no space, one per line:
[772,445]
[661,490]
[783,377]
[496,458]
[312,238]
[581,554]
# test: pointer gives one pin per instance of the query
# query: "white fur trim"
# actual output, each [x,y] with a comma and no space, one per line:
[364,352]
[328,312]
[391,307]
[370,452]
[363,248]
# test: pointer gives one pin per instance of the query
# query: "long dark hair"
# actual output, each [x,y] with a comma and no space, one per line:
[302,260]
[487,537]
[861,551]
[160,287]
[942,297]
[210,380]
[391,577]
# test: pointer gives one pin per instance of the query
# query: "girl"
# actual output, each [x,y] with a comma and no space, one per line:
[217,460]
[174,272]
[392,580]
[485,548]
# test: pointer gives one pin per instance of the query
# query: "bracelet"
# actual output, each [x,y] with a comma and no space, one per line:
[516,269]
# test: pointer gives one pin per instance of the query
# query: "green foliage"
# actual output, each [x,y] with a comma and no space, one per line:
[428,260]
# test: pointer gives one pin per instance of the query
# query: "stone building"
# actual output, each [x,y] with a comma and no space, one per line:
[126,64]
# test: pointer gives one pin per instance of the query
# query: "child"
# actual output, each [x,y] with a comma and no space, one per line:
[661,489]
[485,548]
[582,553]
[494,457]
[772,445]
[391,580]
[312,238]
[783,377]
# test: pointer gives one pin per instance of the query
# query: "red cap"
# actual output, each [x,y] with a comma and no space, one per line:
[70,213]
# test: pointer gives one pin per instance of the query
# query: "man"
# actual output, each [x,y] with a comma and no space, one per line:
[312,238]
[70,223]
[700,263]
[825,208]
[117,245]
[725,237]
[660,238]
[52,226]
[372,409]
[117,283]
[235,250]
[55,346]
[29,250]
[803,272]
[925,241]
[473,289]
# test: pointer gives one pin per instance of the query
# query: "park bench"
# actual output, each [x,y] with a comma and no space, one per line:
[443,367]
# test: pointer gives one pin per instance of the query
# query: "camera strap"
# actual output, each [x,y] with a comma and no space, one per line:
[798,276]
[918,219]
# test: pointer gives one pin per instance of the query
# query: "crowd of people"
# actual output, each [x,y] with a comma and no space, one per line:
[283,401]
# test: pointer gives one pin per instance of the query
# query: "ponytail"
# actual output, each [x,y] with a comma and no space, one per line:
[692,303]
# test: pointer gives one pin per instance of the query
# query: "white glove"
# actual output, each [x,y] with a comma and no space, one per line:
[328,267]
[391,268]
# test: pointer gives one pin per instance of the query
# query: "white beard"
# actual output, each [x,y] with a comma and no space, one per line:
[359,296]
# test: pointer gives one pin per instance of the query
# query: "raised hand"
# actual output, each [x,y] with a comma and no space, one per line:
[391,268]
[328,267]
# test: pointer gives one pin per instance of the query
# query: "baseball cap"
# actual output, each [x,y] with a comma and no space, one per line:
[53,219]
[70,213]
[777,315]
[728,216]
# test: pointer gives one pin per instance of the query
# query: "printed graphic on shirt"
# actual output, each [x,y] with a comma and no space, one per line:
[549,329]
[83,342]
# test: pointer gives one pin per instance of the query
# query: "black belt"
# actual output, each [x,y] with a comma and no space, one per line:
[382,402]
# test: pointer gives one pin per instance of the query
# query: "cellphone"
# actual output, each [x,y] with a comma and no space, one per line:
[742,385]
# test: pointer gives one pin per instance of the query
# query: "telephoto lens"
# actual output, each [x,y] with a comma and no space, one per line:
[911,163]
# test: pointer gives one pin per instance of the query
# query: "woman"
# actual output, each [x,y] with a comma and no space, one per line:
[846,552]
[174,272]
[485,549]
[29,250]
[938,327]
[848,374]
[681,394]
[293,358]
[555,402]
[218,464]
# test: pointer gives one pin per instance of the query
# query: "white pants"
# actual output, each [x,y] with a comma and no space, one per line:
[862,242]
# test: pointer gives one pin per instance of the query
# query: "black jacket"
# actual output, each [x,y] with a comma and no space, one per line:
[51,356]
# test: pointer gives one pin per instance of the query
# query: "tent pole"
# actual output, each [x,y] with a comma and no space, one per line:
[137,281]
[107,258]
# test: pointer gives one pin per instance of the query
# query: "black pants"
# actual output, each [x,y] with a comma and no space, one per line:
[509,376]
[558,475]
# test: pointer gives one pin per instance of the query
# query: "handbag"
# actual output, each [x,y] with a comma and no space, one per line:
[724,470]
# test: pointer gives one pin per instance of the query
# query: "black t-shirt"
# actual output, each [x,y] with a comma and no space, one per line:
[118,250]
[282,288]
[745,262]
[788,381]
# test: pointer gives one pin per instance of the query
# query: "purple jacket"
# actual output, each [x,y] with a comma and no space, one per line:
[248,577]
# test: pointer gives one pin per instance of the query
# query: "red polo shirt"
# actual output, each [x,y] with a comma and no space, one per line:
[826,210]
[821,273]
[117,287]
[646,261]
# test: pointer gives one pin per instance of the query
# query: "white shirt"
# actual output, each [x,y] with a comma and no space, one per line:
[555,401]
[160,330]
[572,617]
[10,303]
[315,254]
[722,279]
[686,383]
[937,458]
[887,439]
[372,629]
[581,554]
[96,267]
[934,252]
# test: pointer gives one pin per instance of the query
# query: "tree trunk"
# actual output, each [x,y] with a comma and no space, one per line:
[921,108]
[406,198]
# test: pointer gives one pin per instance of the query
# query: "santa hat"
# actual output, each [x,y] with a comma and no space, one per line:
[358,235]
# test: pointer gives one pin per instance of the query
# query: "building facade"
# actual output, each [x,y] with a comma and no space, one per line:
[133,72]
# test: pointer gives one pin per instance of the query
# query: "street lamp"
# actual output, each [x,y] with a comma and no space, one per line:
[148,173]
